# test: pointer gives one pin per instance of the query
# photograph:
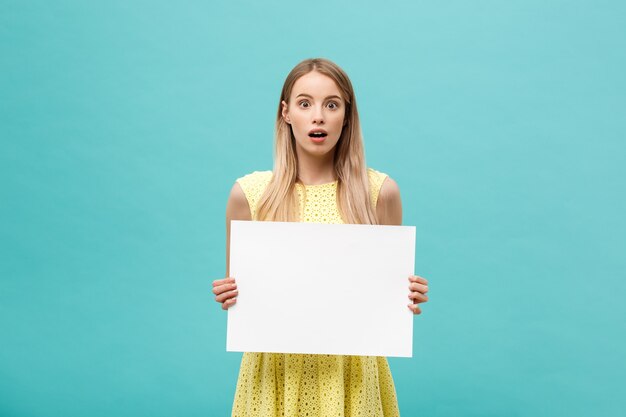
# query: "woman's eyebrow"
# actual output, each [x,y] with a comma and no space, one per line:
[306,95]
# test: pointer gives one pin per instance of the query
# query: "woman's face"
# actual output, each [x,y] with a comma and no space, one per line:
[315,105]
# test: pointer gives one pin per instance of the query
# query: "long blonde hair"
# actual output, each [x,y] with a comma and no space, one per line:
[279,201]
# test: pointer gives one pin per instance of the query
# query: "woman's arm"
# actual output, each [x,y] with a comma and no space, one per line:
[389,205]
[389,212]
[237,208]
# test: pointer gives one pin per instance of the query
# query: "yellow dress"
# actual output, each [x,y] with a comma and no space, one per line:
[295,385]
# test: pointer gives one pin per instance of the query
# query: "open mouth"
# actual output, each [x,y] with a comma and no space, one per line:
[317,135]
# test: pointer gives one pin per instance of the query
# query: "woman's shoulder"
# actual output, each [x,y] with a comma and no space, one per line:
[376,176]
[254,180]
[256,176]
[377,181]
[253,185]
[385,196]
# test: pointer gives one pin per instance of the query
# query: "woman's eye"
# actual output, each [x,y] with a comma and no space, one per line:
[302,103]
[333,105]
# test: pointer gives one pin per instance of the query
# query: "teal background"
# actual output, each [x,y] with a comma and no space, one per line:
[124,124]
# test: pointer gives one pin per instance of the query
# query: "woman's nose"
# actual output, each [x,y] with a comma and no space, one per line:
[318,115]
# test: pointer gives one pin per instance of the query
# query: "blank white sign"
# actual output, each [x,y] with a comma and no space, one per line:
[321,288]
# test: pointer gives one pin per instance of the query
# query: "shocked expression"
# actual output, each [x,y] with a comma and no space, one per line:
[316,113]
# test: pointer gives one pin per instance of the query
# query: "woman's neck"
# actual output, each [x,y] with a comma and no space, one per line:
[314,171]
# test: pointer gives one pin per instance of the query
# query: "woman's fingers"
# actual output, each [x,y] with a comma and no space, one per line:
[226,295]
[227,280]
[418,279]
[415,308]
[418,297]
[419,284]
[224,285]
[228,303]
[223,288]
[418,287]
[225,291]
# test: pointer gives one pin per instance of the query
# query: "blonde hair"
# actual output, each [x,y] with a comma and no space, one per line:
[279,201]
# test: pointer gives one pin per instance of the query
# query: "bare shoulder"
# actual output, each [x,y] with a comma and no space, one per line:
[237,207]
[389,205]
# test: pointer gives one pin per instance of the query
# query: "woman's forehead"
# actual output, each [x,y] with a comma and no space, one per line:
[316,85]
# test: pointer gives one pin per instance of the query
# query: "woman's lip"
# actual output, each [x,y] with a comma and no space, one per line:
[318,140]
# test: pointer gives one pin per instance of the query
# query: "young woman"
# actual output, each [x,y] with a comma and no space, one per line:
[319,176]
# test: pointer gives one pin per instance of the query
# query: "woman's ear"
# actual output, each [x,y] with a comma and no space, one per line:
[284,111]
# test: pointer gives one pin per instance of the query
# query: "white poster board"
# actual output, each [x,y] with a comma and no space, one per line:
[321,288]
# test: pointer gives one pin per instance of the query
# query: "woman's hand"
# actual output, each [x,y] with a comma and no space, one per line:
[418,287]
[225,291]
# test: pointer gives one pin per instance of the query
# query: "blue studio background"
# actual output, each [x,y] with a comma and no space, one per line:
[124,124]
